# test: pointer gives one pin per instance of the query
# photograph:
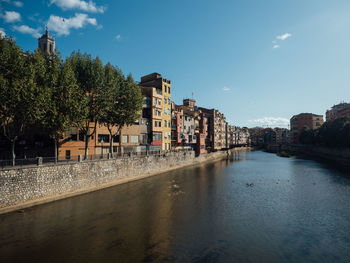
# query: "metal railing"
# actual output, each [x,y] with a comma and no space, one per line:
[37,161]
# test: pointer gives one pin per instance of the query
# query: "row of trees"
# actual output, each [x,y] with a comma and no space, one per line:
[335,133]
[53,94]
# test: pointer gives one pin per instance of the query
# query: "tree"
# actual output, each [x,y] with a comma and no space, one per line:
[22,101]
[67,103]
[124,105]
[335,133]
[90,76]
[307,136]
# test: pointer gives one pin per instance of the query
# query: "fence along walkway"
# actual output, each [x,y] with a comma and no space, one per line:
[27,162]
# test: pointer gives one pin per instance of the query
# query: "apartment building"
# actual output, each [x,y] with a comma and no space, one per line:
[238,136]
[338,111]
[158,90]
[73,144]
[217,129]
[201,133]
[302,120]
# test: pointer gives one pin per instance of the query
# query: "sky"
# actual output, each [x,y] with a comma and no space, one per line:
[258,62]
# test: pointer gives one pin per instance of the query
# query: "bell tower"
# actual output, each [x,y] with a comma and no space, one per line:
[46,43]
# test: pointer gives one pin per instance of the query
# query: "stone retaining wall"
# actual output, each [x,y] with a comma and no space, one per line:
[340,156]
[24,187]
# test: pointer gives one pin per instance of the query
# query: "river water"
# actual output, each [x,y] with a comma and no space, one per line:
[292,211]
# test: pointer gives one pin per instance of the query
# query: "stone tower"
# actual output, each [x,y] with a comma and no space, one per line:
[46,43]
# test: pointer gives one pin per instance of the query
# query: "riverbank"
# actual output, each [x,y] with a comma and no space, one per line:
[29,186]
[338,156]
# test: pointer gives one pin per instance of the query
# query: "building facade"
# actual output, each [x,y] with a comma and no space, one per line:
[338,111]
[158,89]
[301,121]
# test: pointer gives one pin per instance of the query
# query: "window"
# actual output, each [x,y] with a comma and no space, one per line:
[157,136]
[165,99]
[147,101]
[185,118]
[125,138]
[116,138]
[155,101]
[169,124]
[155,112]
[165,111]
[102,138]
[168,100]
[67,154]
[73,137]
[165,135]
[159,102]
[134,139]
[169,135]
[81,136]
[165,123]
[159,91]
[169,90]
[164,88]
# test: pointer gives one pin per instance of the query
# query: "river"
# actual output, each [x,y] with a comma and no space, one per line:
[257,207]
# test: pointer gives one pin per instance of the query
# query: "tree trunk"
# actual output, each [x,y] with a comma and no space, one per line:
[13,141]
[87,138]
[55,141]
[111,141]
[111,146]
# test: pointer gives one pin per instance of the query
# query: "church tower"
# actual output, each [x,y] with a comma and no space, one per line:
[46,43]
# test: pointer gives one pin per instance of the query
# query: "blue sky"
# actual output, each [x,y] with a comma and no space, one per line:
[259,62]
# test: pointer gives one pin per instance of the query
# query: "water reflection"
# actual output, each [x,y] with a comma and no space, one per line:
[294,211]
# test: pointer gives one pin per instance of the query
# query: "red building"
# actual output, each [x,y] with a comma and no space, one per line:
[202,133]
[301,121]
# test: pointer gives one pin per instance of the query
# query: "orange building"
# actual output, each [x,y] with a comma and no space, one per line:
[302,120]
[129,140]
[158,90]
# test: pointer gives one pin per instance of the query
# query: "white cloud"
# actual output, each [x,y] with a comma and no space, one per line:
[276,46]
[118,37]
[2,32]
[226,89]
[284,36]
[27,30]
[79,4]
[271,121]
[62,26]
[11,16]
[17,3]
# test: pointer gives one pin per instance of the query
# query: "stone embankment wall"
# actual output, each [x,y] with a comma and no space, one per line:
[340,156]
[28,186]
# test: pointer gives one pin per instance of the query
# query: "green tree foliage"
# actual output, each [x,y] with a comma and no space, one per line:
[124,103]
[307,136]
[90,79]
[40,90]
[66,106]
[22,100]
[335,133]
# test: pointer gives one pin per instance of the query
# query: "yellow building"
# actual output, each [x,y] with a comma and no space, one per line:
[162,121]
